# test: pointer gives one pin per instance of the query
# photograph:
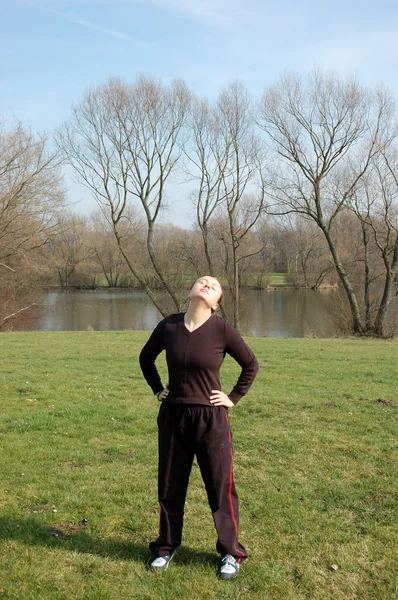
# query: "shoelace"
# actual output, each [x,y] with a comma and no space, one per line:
[228,561]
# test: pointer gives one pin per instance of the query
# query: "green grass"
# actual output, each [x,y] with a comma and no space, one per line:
[316,454]
[278,279]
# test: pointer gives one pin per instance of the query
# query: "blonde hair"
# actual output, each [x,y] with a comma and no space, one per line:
[221,295]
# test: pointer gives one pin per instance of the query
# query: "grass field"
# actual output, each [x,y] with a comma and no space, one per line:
[316,455]
[278,279]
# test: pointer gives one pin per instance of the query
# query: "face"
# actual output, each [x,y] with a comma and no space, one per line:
[209,289]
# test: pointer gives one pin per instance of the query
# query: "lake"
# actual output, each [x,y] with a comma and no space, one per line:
[273,313]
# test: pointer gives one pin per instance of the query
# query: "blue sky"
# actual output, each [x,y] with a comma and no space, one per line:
[52,50]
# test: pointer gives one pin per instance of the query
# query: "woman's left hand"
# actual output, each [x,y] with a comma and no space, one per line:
[218,398]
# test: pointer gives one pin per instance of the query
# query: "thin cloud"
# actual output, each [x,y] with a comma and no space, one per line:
[216,13]
[197,9]
[87,24]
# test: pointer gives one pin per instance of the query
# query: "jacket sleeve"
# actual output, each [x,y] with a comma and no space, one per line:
[148,355]
[240,351]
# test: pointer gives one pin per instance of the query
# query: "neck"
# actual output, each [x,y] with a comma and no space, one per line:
[197,312]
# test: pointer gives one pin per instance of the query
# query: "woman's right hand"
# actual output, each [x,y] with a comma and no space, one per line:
[164,393]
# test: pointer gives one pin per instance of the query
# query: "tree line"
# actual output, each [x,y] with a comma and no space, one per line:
[302,180]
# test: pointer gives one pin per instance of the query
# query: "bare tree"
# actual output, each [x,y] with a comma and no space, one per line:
[70,247]
[243,179]
[227,161]
[207,155]
[106,249]
[326,133]
[264,263]
[30,199]
[307,255]
[175,246]
[122,142]
[375,203]
[192,253]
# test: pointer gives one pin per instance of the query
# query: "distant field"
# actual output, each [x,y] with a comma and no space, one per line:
[278,279]
[316,455]
[274,279]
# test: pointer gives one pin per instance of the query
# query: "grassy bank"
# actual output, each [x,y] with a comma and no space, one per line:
[316,456]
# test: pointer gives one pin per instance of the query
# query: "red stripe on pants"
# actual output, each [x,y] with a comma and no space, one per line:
[241,554]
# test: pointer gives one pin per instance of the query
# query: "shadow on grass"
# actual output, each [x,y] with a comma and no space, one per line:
[32,532]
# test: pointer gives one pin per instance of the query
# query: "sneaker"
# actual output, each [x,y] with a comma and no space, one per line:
[229,567]
[161,562]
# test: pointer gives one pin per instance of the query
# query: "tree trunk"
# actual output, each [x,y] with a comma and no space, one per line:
[378,326]
[158,271]
[60,277]
[205,237]
[236,287]
[367,277]
[356,316]
[134,271]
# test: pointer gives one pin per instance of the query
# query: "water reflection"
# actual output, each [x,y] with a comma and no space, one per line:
[277,313]
[290,313]
[102,311]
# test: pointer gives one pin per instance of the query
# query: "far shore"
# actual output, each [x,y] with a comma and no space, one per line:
[104,288]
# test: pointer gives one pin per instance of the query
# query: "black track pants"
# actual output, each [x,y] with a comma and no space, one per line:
[186,431]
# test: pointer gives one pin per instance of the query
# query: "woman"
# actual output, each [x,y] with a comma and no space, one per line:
[193,419]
